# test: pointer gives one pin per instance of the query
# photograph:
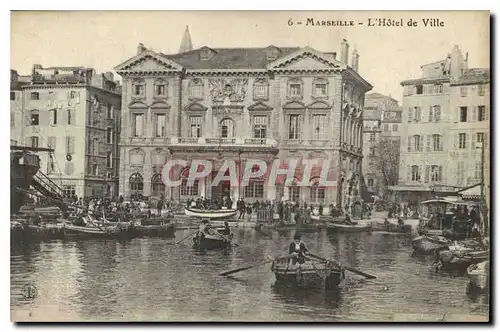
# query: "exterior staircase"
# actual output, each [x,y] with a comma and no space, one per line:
[44,185]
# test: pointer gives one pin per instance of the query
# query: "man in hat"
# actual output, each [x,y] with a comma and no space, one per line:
[205,226]
[297,250]
[227,230]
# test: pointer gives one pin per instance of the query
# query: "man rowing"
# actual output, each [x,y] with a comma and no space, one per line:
[297,251]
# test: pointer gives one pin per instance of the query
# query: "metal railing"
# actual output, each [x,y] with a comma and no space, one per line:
[48,184]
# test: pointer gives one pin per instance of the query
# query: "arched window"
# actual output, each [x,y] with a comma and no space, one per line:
[157,185]
[227,128]
[294,192]
[317,194]
[186,189]
[136,184]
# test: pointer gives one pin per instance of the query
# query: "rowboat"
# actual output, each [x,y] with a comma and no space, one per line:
[203,241]
[429,245]
[310,274]
[210,214]
[348,228]
[391,228]
[116,231]
[459,256]
[479,275]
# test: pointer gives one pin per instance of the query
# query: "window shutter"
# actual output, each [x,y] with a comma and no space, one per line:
[419,173]
[421,145]
[486,113]
[429,138]
[440,174]
[409,143]
[427,171]
[71,144]
[419,114]
[66,143]
[430,114]
[457,119]
[466,139]
[474,113]
[441,142]
[455,141]
[485,139]
[410,114]
[408,174]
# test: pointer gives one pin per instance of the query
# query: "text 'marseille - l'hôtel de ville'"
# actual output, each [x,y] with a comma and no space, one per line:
[241,103]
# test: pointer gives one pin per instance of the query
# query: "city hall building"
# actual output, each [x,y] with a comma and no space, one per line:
[238,104]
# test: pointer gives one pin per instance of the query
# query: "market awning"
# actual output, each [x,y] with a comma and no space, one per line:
[473,192]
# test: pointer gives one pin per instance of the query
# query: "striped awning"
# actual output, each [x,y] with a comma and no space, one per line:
[473,192]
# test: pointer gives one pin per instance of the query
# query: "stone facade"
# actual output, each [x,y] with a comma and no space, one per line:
[240,104]
[444,114]
[76,112]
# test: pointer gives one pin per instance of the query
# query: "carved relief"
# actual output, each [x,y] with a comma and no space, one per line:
[222,90]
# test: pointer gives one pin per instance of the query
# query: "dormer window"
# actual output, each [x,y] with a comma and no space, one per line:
[295,88]
[206,53]
[272,53]
[320,87]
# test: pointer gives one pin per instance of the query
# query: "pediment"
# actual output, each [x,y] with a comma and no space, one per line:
[294,105]
[306,58]
[137,105]
[160,104]
[148,61]
[195,106]
[319,105]
[259,106]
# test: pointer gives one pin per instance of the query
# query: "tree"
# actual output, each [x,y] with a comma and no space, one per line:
[386,162]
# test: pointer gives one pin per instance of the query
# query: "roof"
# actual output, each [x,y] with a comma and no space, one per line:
[228,58]
[372,114]
[376,95]
[473,76]
[427,80]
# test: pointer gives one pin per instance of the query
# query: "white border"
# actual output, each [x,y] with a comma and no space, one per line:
[190,5]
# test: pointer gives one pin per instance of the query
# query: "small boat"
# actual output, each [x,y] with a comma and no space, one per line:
[460,256]
[203,241]
[122,230]
[349,228]
[210,214]
[310,274]
[391,228]
[479,276]
[429,245]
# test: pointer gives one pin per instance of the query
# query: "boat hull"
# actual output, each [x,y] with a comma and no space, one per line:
[455,259]
[425,245]
[331,227]
[84,232]
[210,214]
[322,275]
[209,242]
[391,228]
[479,276]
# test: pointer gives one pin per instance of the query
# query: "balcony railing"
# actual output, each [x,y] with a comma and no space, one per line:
[224,141]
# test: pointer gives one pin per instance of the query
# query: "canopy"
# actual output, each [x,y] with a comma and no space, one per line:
[431,201]
[473,192]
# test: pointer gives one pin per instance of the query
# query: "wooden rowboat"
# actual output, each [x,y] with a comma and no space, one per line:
[429,245]
[203,241]
[479,276]
[349,228]
[391,228]
[460,257]
[73,231]
[210,214]
[310,274]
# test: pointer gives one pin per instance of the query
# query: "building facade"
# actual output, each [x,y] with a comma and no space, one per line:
[239,104]
[76,112]
[445,113]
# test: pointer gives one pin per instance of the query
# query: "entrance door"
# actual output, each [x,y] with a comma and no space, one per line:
[222,190]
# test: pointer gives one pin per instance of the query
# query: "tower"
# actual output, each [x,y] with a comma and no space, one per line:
[186,44]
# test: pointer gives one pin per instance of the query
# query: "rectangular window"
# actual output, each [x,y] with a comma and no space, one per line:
[295,90]
[53,117]
[255,189]
[463,91]
[438,88]
[320,89]
[415,173]
[196,90]
[69,191]
[319,127]
[294,127]
[138,123]
[386,127]
[417,114]
[372,152]
[481,113]
[109,159]
[462,140]
[110,111]
[161,90]
[161,125]
[372,137]
[109,135]
[35,119]
[463,114]
[436,143]
[395,127]
[294,194]
[68,168]
[34,141]
[189,190]
[195,123]
[481,90]
[370,182]
[436,173]
[12,95]
[480,138]
[138,89]
[260,127]
[34,96]
[51,166]
[420,89]
[260,91]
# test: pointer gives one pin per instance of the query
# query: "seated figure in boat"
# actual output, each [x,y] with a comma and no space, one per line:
[297,251]
[227,230]
[400,221]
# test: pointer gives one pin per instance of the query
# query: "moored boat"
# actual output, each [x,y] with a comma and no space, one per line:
[210,214]
[479,275]
[204,241]
[310,274]
[429,245]
[391,228]
[348,228]
[120,231]
[459,256]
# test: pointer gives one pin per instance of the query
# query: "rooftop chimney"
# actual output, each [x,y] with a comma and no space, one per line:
[355,60]
[344,51]
[140,48]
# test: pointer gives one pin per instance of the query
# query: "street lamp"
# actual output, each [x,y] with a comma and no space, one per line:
[480,145]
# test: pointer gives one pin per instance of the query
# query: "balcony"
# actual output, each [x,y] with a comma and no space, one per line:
[215,141]
[372,128]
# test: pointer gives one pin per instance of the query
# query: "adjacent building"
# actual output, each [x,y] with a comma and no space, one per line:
[445,116]
[241,103]
[76,112]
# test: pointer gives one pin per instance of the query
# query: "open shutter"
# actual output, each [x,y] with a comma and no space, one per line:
[410,114]
[467,140]
[455,141]
[427,171]
[409,143]
[421,146]
[441,142]
[440,174]
[419,114]
[430,114]
[408,173]
[474,114]
[485,139]
[486,113]
[420,173]
[428,143]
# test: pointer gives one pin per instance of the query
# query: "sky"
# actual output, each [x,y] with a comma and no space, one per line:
[388,55]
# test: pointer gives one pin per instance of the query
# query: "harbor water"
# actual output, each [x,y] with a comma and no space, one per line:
[155,280]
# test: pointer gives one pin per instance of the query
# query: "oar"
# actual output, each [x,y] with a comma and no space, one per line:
[229,240]
[353,270]
[189,235]
[244,268]
[268,235]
